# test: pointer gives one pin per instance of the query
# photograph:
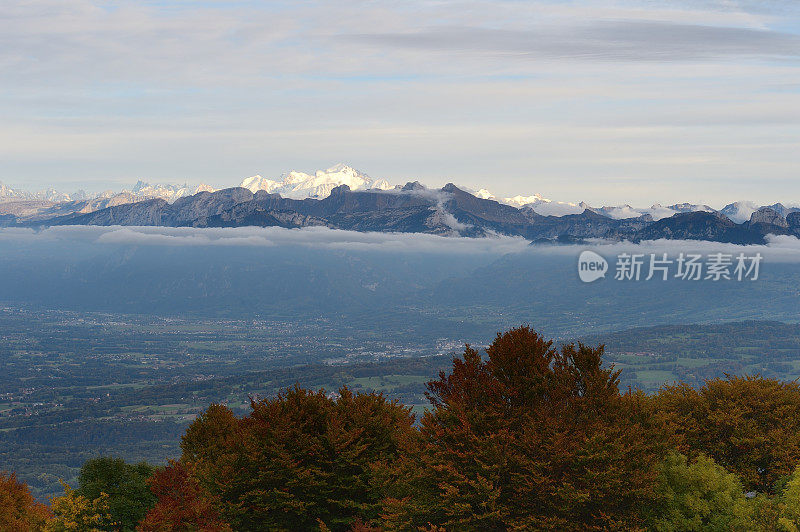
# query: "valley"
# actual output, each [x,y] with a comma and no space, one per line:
[79,385]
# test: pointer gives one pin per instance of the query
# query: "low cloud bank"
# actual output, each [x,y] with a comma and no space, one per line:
[777,249]
[315,237]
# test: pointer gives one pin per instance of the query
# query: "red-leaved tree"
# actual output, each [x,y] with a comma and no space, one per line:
[531,438]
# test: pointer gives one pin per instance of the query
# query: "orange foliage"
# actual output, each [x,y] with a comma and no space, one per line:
[532,438]
[299,459]
[749,425]
[18,510]
[182,504]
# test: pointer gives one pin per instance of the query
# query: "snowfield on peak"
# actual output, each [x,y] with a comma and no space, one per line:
[521,201]
[537,203]
[166,191]
[299,185]
[484,194]
[739,211]
[657,211]
[546,207]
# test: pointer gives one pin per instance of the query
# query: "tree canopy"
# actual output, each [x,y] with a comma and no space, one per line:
[18,510]
[749,425]
[532,437]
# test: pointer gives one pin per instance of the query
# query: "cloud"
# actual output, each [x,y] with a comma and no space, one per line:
[784,249]
[629,40]
[315,237]
[628,101]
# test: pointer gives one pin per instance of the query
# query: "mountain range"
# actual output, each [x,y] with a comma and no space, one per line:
[344,198]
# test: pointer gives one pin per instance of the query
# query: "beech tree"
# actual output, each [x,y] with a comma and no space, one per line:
[300,459]
[749,425]
[125,485]
[183,505]
[73,512]
[533,437]
[18,510]
[698,495]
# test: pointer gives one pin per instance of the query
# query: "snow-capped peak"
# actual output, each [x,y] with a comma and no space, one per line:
[50,195]
[344,170]
[167,192]
[656,211]
[299,185]
[520,201]
[541,205]
[482,193]
[739,211]
[256,183]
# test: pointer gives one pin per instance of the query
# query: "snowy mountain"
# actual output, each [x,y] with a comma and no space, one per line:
[544,206]
[537,203]
[521,201]
[139,191]
[299,185]
[741,211]
[484,194]
[657,211]
[166,191]
[448,211]
[10,194]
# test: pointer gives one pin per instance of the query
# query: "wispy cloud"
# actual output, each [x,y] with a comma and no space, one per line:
[624,101]
[627,40]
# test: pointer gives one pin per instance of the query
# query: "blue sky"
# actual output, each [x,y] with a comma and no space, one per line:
[606,102]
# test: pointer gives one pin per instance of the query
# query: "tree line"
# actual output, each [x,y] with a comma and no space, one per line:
[528,436]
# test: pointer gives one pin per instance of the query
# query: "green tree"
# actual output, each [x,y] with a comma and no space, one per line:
[696,496]
[760,513]
[129,497]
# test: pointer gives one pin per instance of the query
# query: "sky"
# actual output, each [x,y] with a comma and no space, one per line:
[606,102]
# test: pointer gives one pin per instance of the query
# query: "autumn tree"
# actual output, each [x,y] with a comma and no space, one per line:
[533,437]
[19,512]
[73,512]
[749,425]
[299,459]
[183,505]
[211,444]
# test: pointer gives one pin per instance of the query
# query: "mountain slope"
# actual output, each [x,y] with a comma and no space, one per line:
[447,211]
